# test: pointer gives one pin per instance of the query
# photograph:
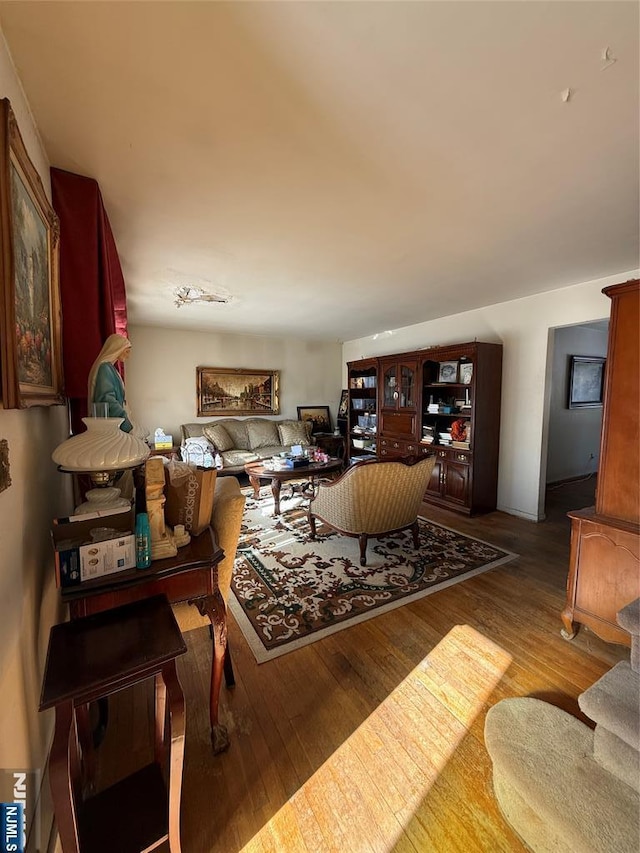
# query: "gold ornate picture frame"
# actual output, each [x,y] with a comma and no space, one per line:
[30,319]
[235,391]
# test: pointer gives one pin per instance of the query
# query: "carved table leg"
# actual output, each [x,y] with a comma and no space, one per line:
[175,702]
[85,739]
[255,484]
[213,607]
[570,629]
[160,719]
[275,489]
[415,530]
[62,769]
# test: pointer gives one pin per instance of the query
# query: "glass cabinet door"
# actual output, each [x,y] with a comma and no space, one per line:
[407,387]
[390,387]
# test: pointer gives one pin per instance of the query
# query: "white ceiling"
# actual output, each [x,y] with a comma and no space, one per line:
[342,168]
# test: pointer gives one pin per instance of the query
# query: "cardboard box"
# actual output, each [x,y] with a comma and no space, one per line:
[78,558]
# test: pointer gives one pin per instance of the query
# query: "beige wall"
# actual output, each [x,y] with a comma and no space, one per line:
[161,372]
[29,602]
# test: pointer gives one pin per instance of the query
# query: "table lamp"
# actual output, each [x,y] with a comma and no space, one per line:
[103,451]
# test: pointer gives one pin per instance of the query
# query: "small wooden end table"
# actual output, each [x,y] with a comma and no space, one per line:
[335,445]
[257,472]
[192,576]
[94,657]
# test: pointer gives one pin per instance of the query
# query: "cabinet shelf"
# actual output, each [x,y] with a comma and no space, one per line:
[447,385]
[446,414]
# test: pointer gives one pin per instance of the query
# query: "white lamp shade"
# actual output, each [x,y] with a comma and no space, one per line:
[103,447]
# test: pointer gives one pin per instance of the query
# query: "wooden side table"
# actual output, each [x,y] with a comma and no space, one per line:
[192,576]
[334,445]
[93,657]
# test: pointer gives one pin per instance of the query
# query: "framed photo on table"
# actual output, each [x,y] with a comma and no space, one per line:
[319,416]
[30,318]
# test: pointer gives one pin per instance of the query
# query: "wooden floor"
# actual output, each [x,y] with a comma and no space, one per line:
[372,739]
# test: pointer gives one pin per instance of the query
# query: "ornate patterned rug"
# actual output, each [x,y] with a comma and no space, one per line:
[289,591]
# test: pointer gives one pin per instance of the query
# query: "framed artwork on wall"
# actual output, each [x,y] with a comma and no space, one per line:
[30,319]
[318,415]
[236,391]
[586,382]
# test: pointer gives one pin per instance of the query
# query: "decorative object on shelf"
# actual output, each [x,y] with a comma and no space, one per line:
[318,416]
[448,371]
[586,382]
[162,541]
[30,322]
[102,451]
[459,430]
[466,372]
[235,391]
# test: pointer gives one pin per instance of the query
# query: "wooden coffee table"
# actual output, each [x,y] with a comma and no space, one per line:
[257,472]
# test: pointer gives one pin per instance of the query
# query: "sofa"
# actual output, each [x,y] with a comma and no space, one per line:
[243,440]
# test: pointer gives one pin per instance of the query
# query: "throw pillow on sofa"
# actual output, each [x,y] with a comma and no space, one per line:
[218,436]
[262,433]
[295,432]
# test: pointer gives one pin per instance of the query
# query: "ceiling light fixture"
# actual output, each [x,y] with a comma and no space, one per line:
[187,294]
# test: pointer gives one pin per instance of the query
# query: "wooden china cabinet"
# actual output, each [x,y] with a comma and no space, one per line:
[425,394]
[604,569]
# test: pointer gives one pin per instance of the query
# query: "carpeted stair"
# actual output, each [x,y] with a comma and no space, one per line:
[561,785]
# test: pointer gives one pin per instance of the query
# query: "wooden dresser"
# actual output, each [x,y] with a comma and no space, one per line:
[604,569]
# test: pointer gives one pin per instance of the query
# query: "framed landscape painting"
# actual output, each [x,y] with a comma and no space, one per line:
[586,382]
[236,391]
[30,319]
[318,415]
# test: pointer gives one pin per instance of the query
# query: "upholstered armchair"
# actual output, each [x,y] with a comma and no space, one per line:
[226,520]
[373,499]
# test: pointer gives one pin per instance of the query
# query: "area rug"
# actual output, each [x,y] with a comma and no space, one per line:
[289,590]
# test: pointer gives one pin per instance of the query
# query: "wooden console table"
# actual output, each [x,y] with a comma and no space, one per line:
[191,576]
[93,657]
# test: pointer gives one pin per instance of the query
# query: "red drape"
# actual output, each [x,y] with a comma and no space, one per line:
[92,286]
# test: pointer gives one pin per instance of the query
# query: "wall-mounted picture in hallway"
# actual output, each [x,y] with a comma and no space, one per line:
[586,381]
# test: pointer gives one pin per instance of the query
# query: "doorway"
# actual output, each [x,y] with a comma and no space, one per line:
[573,435]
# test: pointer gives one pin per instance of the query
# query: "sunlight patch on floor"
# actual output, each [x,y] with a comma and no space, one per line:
[366,794]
